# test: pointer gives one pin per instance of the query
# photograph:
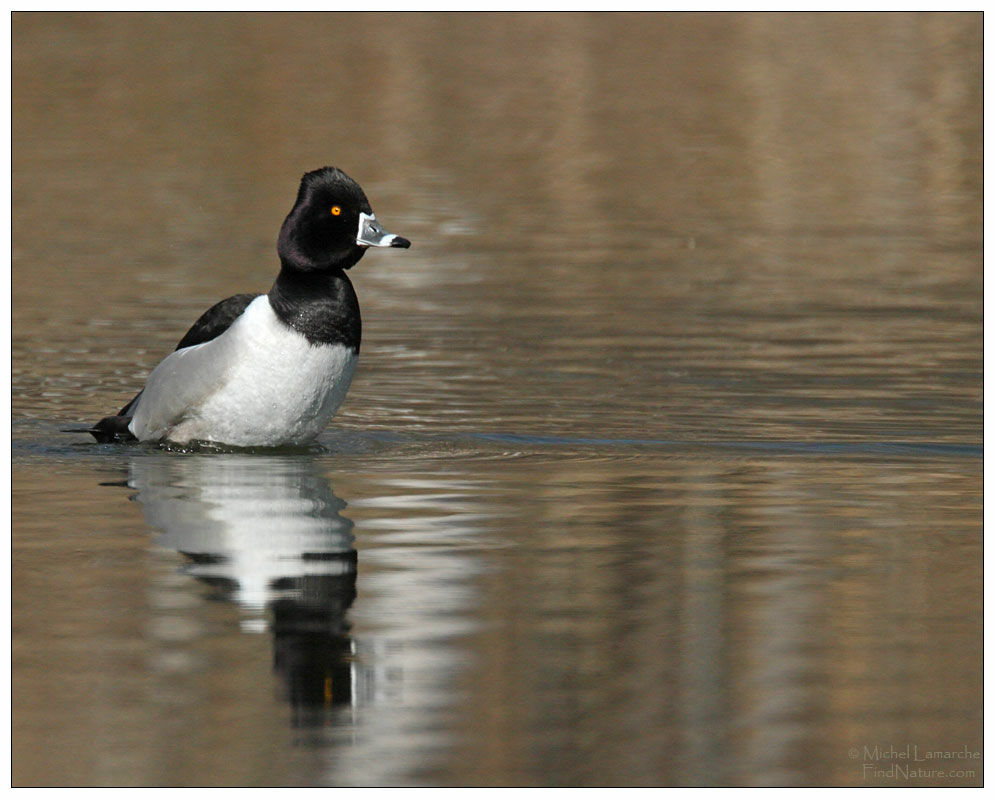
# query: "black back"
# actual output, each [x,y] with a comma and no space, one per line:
[211,324]
[216,320]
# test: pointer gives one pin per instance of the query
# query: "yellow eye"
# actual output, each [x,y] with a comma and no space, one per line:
[336,210]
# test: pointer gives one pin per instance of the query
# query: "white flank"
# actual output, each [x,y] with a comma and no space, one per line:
[260,383]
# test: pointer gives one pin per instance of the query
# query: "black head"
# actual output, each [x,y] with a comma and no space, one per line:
[331,224]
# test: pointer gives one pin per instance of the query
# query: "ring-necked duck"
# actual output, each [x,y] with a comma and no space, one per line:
[269,369]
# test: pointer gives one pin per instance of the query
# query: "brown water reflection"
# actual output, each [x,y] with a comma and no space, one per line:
[692,231]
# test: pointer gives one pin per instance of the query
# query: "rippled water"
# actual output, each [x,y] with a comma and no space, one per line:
[662,465]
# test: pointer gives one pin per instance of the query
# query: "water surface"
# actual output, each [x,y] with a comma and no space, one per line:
[662,465]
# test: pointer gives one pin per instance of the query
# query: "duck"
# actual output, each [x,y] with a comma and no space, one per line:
[268,370]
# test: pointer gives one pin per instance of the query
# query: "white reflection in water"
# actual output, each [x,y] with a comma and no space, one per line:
[267,533]
[419,599]
[253,523]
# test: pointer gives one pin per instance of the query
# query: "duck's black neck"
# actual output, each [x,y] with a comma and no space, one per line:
[321,305]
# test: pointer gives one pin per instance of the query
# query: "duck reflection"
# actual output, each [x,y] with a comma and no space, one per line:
[266,533]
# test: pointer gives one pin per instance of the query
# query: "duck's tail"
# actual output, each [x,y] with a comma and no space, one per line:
[107,430]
